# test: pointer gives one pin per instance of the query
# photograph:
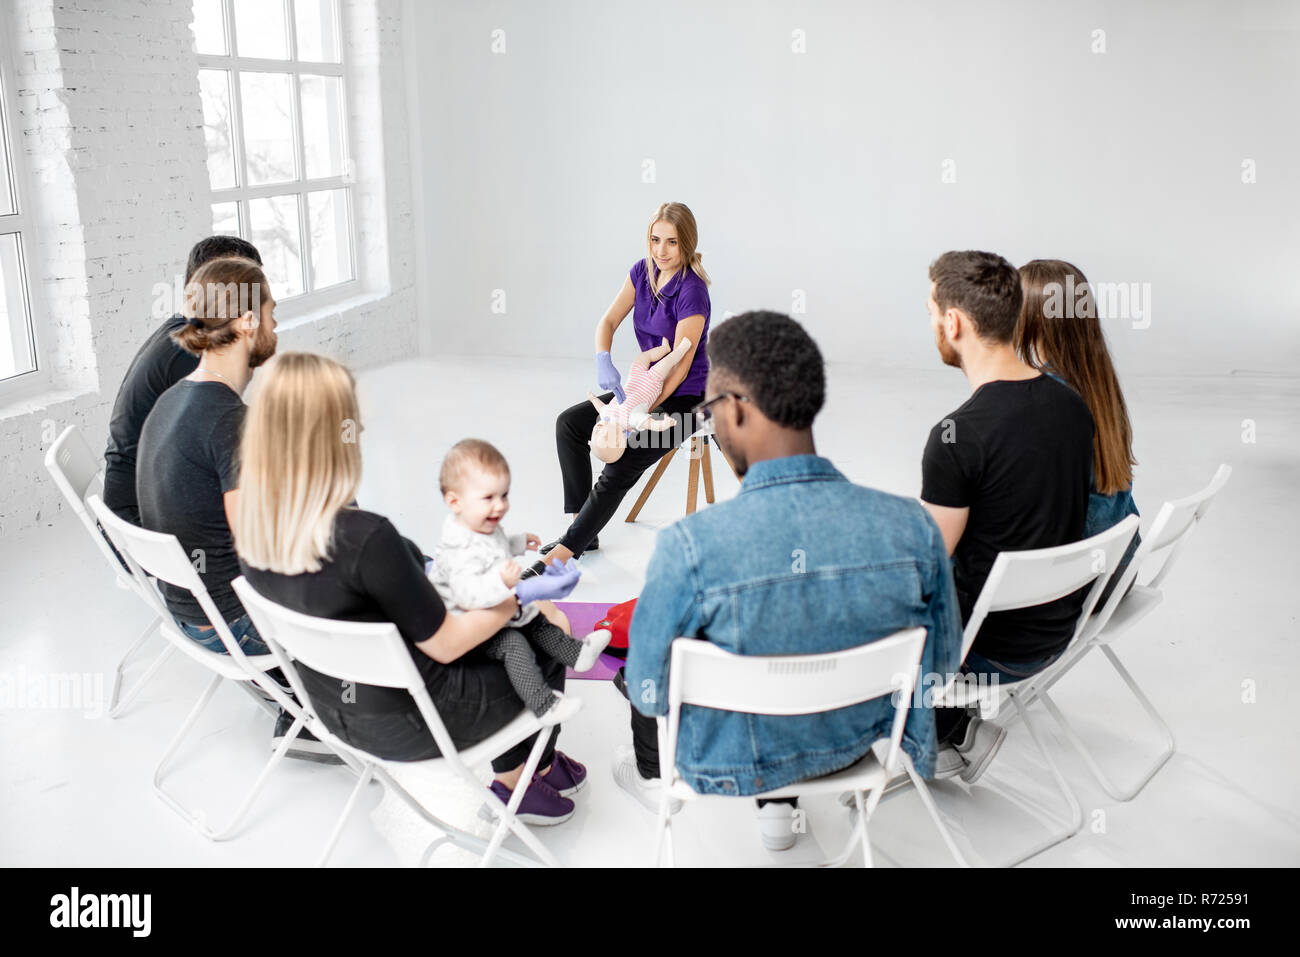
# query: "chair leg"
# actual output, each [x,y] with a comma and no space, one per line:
[857,837]
[1076,812]
[198,819]
[664,832]
[343,817]
[450,833]
[650,485]
[509,823]
[706,466]
[117,704]
[1115,790]
[923,791]
[693,478]
[866,840]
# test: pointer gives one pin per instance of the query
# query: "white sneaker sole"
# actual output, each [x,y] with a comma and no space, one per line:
[487,813]
[973,772]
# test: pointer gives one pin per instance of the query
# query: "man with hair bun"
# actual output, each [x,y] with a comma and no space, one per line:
[187,472]
[158,365]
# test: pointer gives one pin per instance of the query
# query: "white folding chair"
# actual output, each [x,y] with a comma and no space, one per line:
[77,473]
[1154,557]
[704,675]
[375,654]
[1021,580]
[162,556]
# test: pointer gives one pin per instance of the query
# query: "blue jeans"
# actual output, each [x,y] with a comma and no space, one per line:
[1014,671]
[250,642]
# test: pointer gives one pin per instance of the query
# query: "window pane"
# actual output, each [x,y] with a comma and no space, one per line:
[274,231]
[268,127]
[331,244]
[214,88]
[209,27]
[6,175]
[260,29]
[317,30]
[225,219]
[322,125]
[16,354]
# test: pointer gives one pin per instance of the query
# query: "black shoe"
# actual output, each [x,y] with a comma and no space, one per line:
[592,547]
[306,746]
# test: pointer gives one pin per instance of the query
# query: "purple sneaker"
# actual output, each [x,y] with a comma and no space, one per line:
[542,804]
[566,775]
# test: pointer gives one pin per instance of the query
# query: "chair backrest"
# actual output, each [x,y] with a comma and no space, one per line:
[371,653]
[1163,542]
[1037,576]
[161,555]
[76,474]
[702,674]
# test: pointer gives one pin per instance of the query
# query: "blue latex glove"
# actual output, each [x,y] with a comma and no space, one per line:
[608,378]
[556,582]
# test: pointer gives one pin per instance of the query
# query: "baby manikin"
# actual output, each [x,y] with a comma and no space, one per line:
[645,382]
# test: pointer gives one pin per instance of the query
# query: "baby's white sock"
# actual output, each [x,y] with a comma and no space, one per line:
[592,646]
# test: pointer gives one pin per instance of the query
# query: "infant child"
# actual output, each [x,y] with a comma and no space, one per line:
[474,567]
[617,420]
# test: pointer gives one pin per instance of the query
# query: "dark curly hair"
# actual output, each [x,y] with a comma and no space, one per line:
[219,247]
[775,362]
[984,286]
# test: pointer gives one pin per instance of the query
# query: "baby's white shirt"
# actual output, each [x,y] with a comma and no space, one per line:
[467,569]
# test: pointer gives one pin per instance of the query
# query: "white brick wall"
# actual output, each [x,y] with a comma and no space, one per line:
[110,127]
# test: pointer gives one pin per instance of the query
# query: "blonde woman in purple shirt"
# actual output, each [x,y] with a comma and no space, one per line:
[667,294]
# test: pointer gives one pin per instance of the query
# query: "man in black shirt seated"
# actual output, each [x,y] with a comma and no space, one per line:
[158,365]
[1007,471]
[187,474]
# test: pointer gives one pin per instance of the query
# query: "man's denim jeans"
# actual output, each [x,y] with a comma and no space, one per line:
[250,642]
[1012,671]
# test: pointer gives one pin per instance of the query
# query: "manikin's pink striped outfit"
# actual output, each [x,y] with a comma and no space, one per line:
[642,388]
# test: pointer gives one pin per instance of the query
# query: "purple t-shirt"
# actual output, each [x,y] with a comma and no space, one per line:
[654,320]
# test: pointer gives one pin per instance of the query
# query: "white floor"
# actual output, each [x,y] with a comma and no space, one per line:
[1215,658]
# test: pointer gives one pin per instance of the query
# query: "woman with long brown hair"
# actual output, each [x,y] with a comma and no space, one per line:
[1060,332]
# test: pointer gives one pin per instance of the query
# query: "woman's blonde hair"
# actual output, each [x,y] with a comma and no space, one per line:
[300,462]
[679,216]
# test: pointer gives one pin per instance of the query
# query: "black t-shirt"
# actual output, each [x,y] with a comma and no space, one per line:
[158,366]
[188,459]
[1019,456]
[372,574]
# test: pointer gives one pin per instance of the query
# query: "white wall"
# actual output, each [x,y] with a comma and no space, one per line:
[110,127]
[821,171]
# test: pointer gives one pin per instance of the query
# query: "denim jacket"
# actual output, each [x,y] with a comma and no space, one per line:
[801,561]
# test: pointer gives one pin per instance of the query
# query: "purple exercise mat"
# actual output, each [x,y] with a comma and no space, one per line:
[583,616]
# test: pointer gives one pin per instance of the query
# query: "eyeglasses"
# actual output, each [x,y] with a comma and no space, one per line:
[702,411]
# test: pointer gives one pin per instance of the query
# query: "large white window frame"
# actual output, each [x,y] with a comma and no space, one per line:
[19,224]
[311,298]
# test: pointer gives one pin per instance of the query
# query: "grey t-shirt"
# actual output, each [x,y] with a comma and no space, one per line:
[186,461]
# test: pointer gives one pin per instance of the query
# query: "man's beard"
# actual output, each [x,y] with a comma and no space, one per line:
[263,348]
[949,355]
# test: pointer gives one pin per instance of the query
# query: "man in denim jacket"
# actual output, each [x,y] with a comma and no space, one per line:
[800,561]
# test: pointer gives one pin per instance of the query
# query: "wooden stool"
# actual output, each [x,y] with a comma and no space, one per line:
[699,462]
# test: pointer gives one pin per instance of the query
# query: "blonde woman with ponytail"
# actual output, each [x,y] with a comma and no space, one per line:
[667,294]
[304,544]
